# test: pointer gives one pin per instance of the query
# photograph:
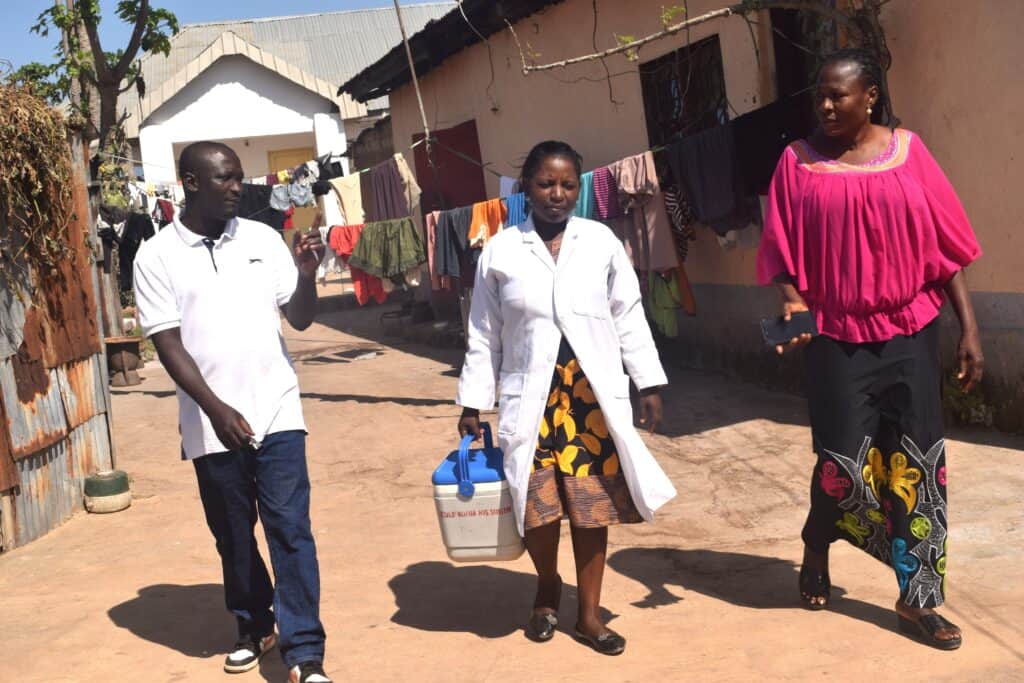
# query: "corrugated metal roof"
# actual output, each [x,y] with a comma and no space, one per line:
[333,46]
[438,40]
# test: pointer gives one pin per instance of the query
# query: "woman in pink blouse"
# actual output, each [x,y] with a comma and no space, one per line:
[864,230]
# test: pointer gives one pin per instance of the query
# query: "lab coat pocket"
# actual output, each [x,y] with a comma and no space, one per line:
[510,399]
[591,306]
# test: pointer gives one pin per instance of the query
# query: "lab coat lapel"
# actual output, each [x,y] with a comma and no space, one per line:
[533,241]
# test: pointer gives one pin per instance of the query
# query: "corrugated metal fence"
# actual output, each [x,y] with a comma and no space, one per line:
[54,398]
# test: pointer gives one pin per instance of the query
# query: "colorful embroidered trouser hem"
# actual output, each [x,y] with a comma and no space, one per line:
[880,479]
[575,467]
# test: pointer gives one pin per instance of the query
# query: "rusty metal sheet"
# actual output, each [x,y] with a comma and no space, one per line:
[48,492]
[82,390]
[8,471]
[37,423]
[90,447]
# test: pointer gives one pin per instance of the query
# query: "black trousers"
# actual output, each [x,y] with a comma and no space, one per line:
[880,478]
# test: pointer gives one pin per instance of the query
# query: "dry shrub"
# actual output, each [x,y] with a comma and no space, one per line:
[35,186]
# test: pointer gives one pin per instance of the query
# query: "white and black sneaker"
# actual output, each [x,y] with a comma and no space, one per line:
[246,653]
[308,672]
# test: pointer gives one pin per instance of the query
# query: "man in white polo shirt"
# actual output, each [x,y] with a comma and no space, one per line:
[210,290]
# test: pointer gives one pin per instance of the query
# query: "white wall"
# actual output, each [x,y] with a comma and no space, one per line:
[253,151]
[238,98]
[248,107]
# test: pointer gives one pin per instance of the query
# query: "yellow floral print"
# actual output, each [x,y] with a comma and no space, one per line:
[874,472]
[595,423]
[903,480]
[583,391]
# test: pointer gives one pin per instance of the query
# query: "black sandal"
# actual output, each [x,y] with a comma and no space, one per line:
[815,584]
[926,628]
[541,626]
[608,643]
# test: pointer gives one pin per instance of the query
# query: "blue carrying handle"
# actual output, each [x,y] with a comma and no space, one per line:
[466,487]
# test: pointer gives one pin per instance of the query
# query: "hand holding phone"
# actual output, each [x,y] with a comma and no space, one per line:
[795,327]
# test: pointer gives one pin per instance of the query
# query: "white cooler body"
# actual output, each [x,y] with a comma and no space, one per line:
[481,528]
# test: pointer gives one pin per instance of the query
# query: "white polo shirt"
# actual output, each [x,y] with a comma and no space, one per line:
[225,295]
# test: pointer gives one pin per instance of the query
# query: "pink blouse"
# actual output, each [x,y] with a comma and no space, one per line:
[870,246]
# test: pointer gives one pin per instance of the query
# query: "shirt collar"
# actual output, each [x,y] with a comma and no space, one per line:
[193,239]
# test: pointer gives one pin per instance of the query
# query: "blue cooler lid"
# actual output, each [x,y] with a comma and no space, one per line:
[486,465]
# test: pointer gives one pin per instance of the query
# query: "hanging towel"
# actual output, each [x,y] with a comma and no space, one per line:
[585,202]
[487,220]
[515,207]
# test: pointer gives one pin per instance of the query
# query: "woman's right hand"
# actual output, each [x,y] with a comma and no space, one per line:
[469,423]
[789,307]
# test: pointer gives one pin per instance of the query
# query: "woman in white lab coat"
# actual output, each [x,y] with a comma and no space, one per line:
[556,316]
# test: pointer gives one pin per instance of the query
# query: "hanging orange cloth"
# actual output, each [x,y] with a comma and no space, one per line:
[487,219]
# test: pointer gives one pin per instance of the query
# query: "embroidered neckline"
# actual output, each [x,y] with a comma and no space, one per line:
[894,155]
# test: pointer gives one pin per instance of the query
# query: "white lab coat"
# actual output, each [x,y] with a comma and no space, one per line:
[523,303]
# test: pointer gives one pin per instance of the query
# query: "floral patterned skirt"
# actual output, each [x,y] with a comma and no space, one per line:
[880,480]
[575,466]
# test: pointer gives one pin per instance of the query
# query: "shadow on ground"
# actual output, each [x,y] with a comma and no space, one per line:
[486,601]
[190,620]
[361,398]
[752,581]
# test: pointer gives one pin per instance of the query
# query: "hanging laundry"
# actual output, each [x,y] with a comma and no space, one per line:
[165,212]
[343,240]
[663,302]
[255,204]
[349,191]
[606,195]
[437,282]
[138,228]
[585,202]
[387,249]
[284,177]
[646,234]
[507,186]
[515,209]
[394,189]
[452,241]
[321,188]
[705,166]
[280,197]
[272,179]
[487,220]
[258,180]
[329,263]
[300,194]
[681,219]
[761,136]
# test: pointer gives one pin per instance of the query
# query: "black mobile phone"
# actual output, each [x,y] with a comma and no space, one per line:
[779,331]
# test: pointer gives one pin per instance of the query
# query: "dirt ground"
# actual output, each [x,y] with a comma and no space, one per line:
[708,592]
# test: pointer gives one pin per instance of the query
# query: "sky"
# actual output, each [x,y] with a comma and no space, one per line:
[19,46]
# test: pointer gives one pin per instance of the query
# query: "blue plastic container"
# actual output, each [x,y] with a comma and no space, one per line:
[474,504]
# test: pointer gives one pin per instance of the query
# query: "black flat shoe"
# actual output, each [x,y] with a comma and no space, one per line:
[608,643]
[542,626]
[926,628]
[815,584]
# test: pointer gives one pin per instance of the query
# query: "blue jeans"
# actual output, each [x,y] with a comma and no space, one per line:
[272,484]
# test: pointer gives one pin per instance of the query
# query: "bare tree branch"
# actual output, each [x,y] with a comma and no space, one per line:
[138,31]
[742,8]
